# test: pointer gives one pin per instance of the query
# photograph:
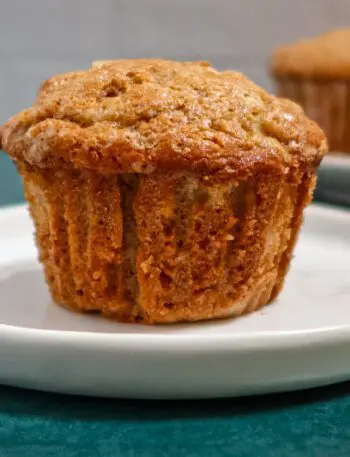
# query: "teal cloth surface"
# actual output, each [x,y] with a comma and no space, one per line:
[308,424]
[312,423]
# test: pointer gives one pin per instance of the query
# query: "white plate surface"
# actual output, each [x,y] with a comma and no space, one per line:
[302,340]
[336,161]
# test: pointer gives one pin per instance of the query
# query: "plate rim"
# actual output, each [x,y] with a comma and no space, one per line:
[336,160]
[182,342]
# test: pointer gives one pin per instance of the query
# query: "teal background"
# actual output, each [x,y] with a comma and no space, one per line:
[307,424]
[312,423]
[10,185]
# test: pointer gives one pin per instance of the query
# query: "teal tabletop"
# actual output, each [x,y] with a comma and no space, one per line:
[312,423]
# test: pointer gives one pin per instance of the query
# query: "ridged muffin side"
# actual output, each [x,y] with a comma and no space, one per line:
[165,248]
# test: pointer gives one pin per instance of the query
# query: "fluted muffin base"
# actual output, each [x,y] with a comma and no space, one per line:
[165,248]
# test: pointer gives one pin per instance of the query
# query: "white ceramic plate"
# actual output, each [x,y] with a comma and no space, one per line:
[337,161]
[302,340]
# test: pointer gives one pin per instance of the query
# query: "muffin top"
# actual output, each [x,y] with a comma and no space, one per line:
[326,57]
[154,115]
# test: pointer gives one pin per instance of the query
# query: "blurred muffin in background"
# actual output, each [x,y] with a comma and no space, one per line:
[316,74]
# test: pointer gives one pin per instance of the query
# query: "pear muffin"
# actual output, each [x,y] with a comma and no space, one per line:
[164,191]
[315,73]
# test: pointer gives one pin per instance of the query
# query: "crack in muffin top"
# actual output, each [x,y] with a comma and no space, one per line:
[154,115]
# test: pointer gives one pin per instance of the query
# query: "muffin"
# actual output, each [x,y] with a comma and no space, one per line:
[316,74]
[164,191]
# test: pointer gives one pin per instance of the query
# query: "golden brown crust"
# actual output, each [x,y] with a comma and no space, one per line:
[325,57]
[152,115]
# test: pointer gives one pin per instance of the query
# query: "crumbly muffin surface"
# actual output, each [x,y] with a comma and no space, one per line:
[152,115]
[325,57]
